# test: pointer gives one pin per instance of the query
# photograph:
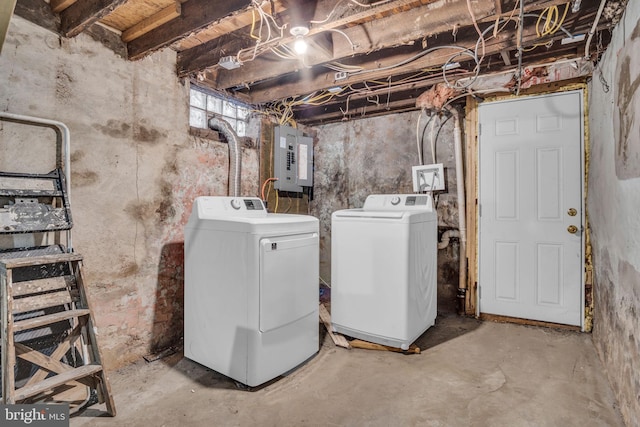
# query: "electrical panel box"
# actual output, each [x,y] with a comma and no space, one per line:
[293,159]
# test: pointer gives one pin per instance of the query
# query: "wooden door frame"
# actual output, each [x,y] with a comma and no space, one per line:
[472,193]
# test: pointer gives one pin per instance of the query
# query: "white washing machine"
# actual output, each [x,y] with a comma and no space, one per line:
[383,269]
[251,288]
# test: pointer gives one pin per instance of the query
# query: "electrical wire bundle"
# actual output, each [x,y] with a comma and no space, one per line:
[548,23]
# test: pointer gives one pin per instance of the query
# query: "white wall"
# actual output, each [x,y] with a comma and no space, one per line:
[613,206]
[135,173]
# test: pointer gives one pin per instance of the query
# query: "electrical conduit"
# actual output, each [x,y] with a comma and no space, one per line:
[592,31]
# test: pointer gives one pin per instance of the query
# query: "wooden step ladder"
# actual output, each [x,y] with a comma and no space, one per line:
[46,296]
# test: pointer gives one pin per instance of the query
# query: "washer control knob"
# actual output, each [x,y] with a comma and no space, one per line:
[235,204]
[395,200]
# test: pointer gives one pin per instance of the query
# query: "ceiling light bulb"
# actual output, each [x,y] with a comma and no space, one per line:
[300,45]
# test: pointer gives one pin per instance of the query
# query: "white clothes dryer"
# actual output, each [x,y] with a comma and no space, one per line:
[383,269]
[251,288]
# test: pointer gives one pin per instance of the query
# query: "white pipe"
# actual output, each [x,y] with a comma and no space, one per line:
[63,138]
[462,223]
[593,28]
[446,236]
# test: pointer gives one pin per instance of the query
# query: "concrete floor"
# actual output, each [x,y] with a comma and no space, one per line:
[469,373]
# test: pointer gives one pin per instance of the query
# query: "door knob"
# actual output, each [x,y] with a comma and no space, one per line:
[572,212]
[572,229]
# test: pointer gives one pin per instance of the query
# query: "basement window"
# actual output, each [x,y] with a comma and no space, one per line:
[204,104]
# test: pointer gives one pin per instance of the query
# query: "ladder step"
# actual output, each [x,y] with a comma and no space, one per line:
[36,322]
[45,259]
[38,286]
[56,381]
[40,302]
[30,193]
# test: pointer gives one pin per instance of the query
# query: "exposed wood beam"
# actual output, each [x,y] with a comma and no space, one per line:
[364,111]
[152,22]
[379,34]
[39,13]
[383,33]
[208,54]
[81,14]
[58,6]
[298,85]
[196,14]
[228,25]
[505,57]
[107,37]
[196,59]
[384,101]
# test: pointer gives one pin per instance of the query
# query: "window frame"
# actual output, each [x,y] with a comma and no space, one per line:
[226,105]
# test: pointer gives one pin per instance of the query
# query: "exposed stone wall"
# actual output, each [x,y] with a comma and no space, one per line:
[135,173]
[375,156]
[613,200]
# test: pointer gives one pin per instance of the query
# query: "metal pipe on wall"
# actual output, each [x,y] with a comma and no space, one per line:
[225,128]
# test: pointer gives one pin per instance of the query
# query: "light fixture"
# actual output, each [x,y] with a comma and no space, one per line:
[300,45]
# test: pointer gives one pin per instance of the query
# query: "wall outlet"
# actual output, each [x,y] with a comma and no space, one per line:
[428,178]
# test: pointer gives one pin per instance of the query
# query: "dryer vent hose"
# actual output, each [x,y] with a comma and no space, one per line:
[235,164]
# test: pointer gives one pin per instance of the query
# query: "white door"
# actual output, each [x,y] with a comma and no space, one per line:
[530,225]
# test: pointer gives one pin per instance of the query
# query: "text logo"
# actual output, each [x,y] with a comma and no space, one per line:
[35,415]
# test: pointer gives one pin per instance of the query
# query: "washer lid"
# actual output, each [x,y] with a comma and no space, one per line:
[361,213]
[398,202]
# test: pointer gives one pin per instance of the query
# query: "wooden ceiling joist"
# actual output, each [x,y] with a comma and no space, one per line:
[152,22]
[372,36]
[81,14]
[196,59]
[196,14]
[58,6]
[300,86]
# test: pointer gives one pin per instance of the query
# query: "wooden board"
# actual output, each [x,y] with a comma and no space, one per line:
[42,285]
[40,302]
[413,349]
[516,320]
[226,25]
[338,339]
[471,156]
[133,12]
[152,22]
[31,261]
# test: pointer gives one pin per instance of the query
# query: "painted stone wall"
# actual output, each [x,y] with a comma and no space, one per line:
[613,201]
[375,156]
[135,173]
